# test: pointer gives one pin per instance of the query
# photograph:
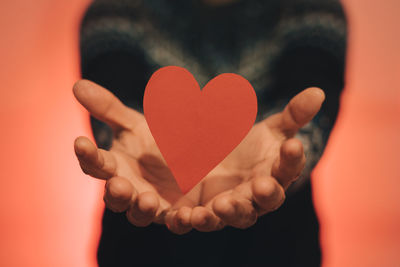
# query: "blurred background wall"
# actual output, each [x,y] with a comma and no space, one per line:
[50,213]
[357,182]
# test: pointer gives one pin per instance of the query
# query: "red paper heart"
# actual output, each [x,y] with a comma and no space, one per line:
[196,129]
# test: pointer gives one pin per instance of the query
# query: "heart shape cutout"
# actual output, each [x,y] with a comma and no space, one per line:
[196,129]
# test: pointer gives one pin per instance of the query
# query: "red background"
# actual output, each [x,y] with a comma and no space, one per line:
[50,212]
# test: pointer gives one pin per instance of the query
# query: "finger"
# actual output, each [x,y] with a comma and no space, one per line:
[178,221]
[119,193]
[290,163]
[183,217]
[95,162]
[103,105]
[268,194]
[300,110]
[144,210]
[236,208]
[204,220]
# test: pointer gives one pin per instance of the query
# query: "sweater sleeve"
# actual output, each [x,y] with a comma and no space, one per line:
[312,39]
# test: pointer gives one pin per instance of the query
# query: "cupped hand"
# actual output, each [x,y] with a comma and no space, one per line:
[248,183]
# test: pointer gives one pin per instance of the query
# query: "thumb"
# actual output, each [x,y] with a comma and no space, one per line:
[300,110]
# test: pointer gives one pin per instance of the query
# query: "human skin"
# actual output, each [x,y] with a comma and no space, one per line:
[250,182]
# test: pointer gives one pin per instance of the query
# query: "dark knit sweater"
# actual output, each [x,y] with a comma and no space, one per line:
[281,47]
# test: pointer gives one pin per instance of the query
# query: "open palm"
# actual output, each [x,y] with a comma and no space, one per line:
[249,182]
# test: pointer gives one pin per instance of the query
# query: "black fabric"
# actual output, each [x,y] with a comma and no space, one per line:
[287,237]
[281,47]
